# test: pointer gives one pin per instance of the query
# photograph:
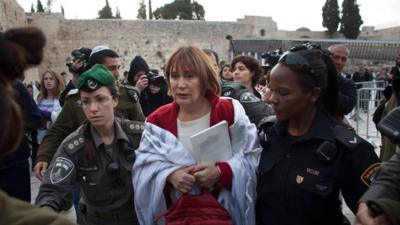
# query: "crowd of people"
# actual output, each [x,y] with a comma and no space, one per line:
[120,148]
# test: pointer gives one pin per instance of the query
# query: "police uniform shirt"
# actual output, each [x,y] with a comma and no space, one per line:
[300,177]
[106,186]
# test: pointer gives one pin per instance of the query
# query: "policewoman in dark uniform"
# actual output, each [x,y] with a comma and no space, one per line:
[309,157]
[99,156]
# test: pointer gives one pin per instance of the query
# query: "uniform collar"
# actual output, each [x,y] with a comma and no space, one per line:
[119,134]
[320,129]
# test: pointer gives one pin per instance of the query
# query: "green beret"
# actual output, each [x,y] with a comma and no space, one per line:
[96,76]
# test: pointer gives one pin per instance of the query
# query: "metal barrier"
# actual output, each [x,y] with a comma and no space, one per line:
[369,95]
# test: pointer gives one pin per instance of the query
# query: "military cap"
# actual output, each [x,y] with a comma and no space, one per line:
[97,76]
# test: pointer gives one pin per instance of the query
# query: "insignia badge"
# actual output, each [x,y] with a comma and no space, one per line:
[92,84]
[63,167]
[299,179]
[227,93]
[354,141]
[248,97]
[369,174]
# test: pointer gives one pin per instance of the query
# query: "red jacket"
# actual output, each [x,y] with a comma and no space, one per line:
[221,109]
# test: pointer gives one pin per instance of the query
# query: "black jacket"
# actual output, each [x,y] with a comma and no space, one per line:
[32,120]
[347,98]
[300,178]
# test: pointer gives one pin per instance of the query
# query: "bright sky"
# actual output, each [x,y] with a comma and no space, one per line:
[288,14]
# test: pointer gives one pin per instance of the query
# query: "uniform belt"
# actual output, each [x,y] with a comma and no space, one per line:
[114,216]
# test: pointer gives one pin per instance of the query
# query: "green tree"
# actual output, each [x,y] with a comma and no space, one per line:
[117,13]
[150,11]
[330,16]
[198,11]
[351,20]
[180,9]
[39,6]
[142,11]
[62,11]
[32,9]
[49,5]
[105,12]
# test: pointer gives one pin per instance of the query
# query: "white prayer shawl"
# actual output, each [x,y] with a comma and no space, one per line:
[160,153]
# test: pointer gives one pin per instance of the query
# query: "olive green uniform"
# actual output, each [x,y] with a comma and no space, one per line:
[72,116]
[17,212]
[384,193]
[388,147]
[106,187]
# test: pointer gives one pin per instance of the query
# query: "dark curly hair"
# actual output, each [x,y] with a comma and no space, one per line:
[252,64]
[19,49]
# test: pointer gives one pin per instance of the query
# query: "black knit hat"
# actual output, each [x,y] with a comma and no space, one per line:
[137,64]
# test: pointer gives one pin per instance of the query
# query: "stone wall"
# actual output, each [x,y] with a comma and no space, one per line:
[11,15]
[154,40]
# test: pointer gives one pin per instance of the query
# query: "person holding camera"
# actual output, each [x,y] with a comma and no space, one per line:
[153,87]
[80,57]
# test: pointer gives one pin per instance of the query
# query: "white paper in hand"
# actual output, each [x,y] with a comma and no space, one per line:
[212,144]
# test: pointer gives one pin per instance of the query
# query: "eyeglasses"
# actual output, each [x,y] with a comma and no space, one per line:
[98,100]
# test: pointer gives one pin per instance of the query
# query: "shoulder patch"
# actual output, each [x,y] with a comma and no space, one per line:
[369,174]
[72,92]
[132,93]
[63,167]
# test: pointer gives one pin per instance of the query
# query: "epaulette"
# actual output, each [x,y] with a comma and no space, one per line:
[346,136]
[72,92]
[133,127]
[128,86]
[263,128]
[248,97]
[132,92]
[74,142]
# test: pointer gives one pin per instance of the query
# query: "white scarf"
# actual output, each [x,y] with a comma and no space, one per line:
[160,153]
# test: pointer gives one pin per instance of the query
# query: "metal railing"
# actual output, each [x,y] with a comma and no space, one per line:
[369,95]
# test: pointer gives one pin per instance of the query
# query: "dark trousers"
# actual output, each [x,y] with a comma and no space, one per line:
[16,181]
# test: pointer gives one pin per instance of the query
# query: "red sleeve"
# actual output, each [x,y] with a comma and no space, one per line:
[226,175]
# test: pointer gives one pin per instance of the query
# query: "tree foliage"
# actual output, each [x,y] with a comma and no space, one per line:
[142,11]
[32,9]
[62,11]
[39,6]
[351,20]
[150,11]
[117,13]
[105,12]
[330,16]
[49,4]
[180,9]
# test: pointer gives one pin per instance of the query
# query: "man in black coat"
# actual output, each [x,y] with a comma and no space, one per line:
[347,89]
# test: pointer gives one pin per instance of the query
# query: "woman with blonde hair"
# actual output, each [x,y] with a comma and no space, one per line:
[51,85]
